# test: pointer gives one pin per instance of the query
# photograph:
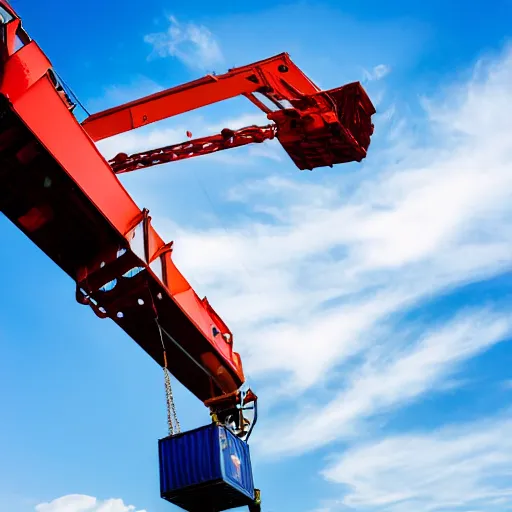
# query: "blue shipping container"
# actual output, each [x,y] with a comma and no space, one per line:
[206,470]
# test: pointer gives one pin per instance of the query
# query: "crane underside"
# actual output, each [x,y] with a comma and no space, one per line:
[42,200]
[60,192]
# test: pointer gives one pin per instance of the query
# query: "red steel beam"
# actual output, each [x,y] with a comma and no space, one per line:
[60,191]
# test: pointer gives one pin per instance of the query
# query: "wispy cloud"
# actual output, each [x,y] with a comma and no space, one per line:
[142,140]
[460,467]
[193,44]
[83,503]
[507,384]
[377,73]
[387,381]
[326,274]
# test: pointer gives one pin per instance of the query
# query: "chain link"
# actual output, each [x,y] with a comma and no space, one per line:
[172,417]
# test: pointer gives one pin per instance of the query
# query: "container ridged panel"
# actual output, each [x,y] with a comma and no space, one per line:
[206,469]
[190,459]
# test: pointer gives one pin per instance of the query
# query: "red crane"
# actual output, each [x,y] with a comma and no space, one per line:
[60,192]
[317,128]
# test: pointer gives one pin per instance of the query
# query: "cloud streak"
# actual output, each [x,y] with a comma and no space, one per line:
[459,467]
[386,382]
[329,268]
[192,44]
[377,73]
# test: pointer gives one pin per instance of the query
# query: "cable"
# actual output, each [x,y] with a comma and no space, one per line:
[75,97]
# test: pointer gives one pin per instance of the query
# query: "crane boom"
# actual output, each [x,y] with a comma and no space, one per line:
[61,193]
[277,78]
[316,128]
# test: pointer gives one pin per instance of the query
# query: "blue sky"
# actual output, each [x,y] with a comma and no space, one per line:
[371,302]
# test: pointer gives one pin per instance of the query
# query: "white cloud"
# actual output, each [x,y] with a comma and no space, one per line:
[387,381]
[310,290]
[458,468]
[143,140]
[377,73]
[193,44]
[431,222]
[268,149]
[83,503]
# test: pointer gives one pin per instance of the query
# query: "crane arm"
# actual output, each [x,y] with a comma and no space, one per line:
[227,139]
[278,78]
[316,128]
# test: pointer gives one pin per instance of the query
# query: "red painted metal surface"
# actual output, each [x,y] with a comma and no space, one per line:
[61,192]
[316,128]
[227,139]
[261,77]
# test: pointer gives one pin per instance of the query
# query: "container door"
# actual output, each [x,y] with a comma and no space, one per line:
[236,461]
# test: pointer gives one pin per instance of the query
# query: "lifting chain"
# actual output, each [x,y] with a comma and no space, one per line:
[172,417]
